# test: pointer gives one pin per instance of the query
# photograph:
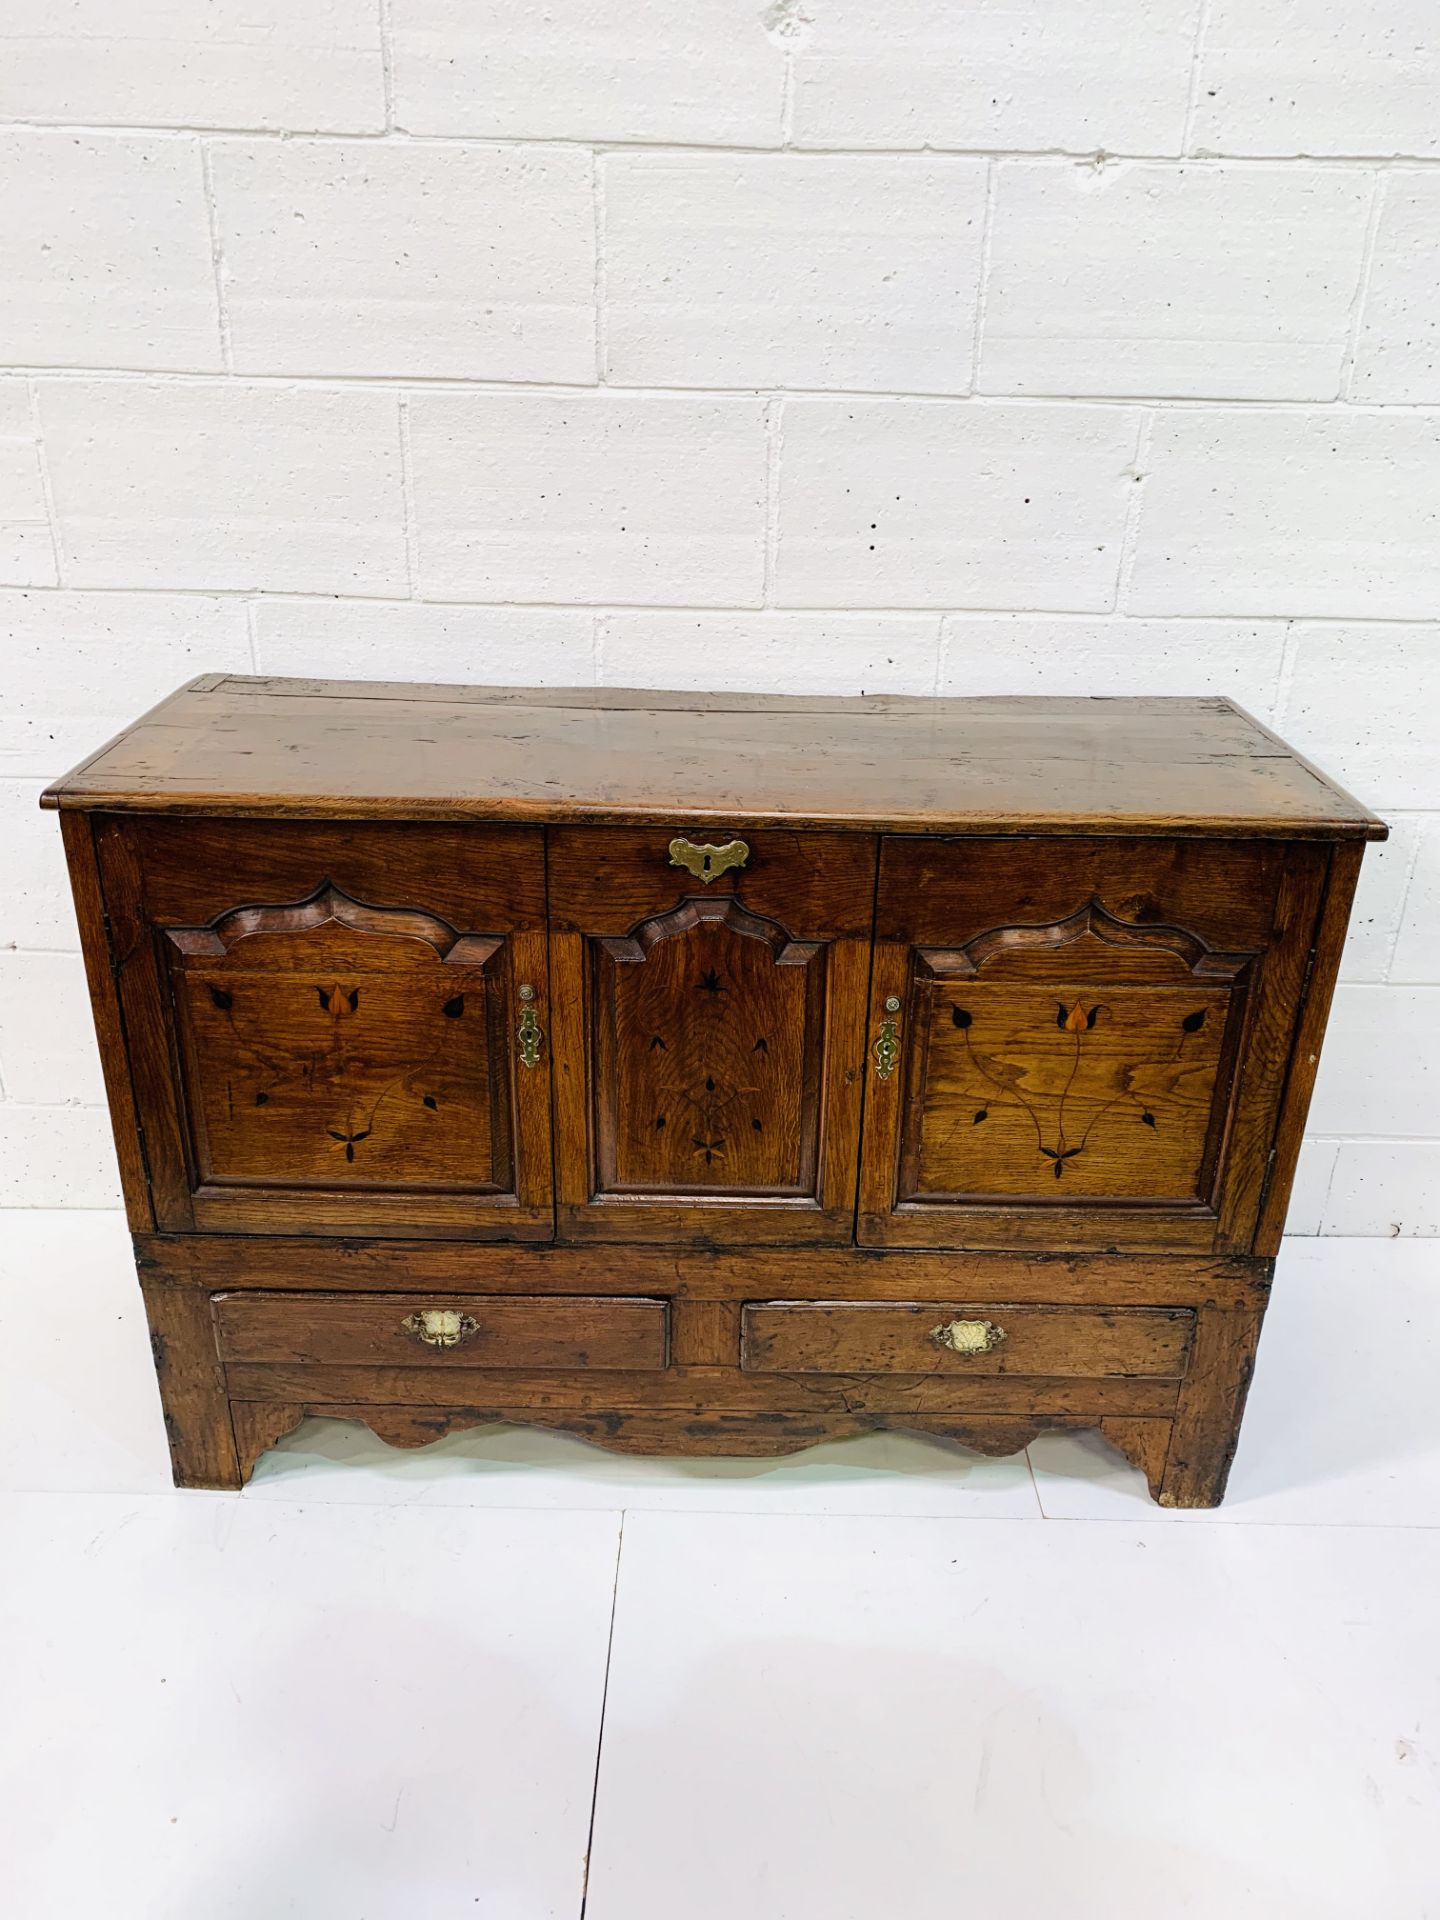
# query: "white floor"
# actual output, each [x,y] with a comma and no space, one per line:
[512,1677]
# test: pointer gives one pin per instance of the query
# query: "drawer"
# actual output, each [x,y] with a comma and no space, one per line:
[792,1336]
[457,1330]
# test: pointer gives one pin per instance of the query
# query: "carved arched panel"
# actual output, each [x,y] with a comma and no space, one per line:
[708,1037]
[1087,1059]
[331,1045]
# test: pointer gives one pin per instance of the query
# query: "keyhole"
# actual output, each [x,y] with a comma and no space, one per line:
[707,863]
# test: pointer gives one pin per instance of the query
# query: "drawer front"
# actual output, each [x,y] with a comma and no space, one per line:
[455,1330]
[1081,1043]
[328,1024]
[792,1336]
[709,988]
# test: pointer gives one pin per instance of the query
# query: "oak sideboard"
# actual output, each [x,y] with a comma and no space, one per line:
[706,1073]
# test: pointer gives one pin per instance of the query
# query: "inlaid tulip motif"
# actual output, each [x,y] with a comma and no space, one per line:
[1060,1136]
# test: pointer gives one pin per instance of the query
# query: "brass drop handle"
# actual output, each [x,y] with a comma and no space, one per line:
[529,1035]
[969,1336]
[440,1326]
[706,863]
[887,1042]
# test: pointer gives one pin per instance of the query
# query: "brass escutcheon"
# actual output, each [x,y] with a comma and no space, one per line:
[968,1336]
[529,1035]
[887,1042]
[440,1326]
[706,862]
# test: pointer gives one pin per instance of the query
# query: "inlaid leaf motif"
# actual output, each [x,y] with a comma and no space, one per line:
[1062,1116]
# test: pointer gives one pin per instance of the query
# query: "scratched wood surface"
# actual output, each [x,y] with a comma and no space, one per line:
[793,1336]
[1009,1002]
[237,745]
[329,1328]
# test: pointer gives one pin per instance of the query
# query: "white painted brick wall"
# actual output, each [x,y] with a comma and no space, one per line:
[1082,346]
[1198,282]
[358,258]
[791,270]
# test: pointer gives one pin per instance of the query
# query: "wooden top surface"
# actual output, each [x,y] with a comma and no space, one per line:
[236,745]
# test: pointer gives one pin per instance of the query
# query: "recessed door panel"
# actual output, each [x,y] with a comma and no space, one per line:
[709,1052]
[342,1055]
[708,1033]
[1079,1043]
[1065,1090]
[346,1055]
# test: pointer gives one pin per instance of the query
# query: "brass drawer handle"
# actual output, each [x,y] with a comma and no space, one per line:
[706,862]
[969,1336]
[529,1035]
[440,1326]
[887,1041]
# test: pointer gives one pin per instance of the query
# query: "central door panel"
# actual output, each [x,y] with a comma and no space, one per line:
[709,1024]
[709,1046]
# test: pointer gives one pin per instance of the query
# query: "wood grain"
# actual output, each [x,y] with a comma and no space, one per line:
[724,1434]
[377,1330]
[292,1264]
[789,1336]
[1317,993]
[232,745]
[322,1025]
[109,1027]
[408,1006]
[696,1389]
[1212,1403]
[192,1387]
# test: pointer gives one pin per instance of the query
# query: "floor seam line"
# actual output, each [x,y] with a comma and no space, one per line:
[600,1731]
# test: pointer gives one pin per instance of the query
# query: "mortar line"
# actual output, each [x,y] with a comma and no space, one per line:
[774,435]
[1192,97]
[1360,299]
[982,291]
[387,71]
[251,633]
[407,497]
[599,637]
[1130,534]
[1289,655]
[852,610]
[217,264]
[574,390]
[1387,977]
[599,290]
[47,491]
[925,151]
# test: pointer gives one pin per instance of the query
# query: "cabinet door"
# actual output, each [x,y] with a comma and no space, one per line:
[710,1031]
[336,1028]
[1080,1043]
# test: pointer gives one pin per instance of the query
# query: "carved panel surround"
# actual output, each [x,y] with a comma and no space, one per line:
[1085,1058]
